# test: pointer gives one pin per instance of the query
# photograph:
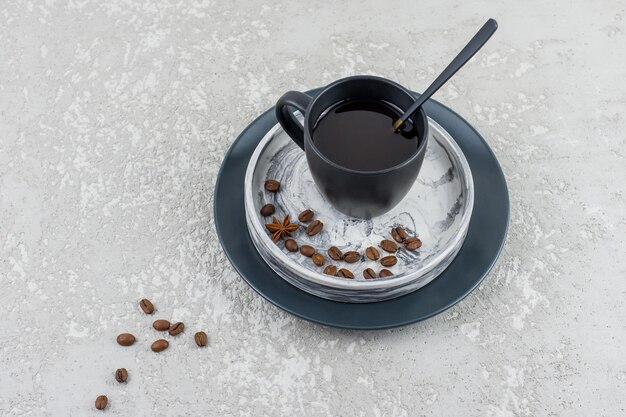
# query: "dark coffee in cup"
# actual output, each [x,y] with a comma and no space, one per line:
[357,162]
[358,134]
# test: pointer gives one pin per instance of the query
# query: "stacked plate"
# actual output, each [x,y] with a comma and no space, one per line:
[437,210]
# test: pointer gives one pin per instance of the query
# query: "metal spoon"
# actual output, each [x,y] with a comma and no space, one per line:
[473,46]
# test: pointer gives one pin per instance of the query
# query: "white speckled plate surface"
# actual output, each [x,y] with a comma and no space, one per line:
[437,209]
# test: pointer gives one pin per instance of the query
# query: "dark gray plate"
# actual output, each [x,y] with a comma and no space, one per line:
[485,237]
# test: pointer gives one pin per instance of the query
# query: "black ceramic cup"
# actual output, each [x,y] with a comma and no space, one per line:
[363,194]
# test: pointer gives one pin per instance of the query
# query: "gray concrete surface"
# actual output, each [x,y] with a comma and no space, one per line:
[115,117]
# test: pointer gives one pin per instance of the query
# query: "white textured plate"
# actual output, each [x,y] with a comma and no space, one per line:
[437,209]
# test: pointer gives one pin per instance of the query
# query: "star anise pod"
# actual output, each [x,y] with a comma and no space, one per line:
[280,230]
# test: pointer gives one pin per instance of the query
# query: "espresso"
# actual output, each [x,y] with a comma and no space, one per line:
[358,134]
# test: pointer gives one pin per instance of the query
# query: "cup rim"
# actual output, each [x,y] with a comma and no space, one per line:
[421,135]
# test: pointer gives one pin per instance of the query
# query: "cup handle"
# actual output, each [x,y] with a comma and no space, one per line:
[287,120]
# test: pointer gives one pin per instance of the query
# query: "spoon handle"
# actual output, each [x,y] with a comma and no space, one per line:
[473,46]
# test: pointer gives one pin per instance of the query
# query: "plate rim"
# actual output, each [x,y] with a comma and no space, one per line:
[353,326]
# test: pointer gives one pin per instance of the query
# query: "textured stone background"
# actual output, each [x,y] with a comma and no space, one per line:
[115,117]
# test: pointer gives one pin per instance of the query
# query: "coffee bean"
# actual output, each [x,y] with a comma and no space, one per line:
[345,273]
[307,250]
[314,228]
[330,270]
[369,273]
[267,210]
[291,245]
[177,328]
[306,216]
[272,186]
[121,375]
[385,273]
[125,339]
[412,243]
[372,253]
[352,256]
[161,325]
[146,306]
[160,345]
[101,402]
[318,259]
[389,246]
[335,253]
[201,339]
[389,260]
[398,234]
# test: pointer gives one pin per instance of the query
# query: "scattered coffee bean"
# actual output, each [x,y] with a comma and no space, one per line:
[267,210]
[306,216]
[412,243]
[291,245]
[335,253]
[318,259]
[384,273]
[314,228]
[177,328]
[307,250]
[389,246]
[345,273]
[147,306]
[101,402]
[121,375]
[160,345]
[389,260]
[272,186]
[330,270]
[399,234]
[352,256]
[201,339]
[161,325]
[125,339]
[369,273]
[372,253]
